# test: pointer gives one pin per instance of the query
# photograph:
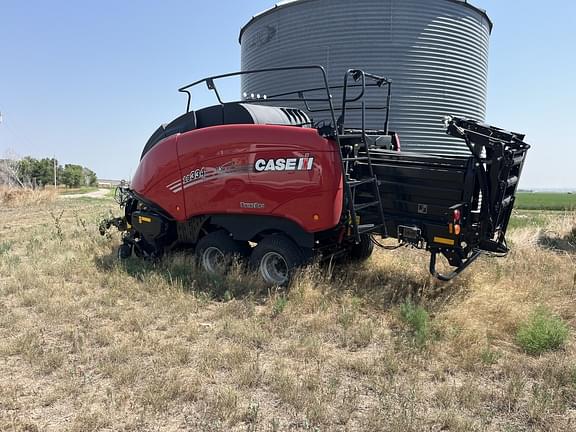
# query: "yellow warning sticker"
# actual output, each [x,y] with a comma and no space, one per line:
[445,241]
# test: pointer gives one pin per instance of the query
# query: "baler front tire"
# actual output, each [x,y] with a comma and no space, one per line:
[219,246]
[275,258]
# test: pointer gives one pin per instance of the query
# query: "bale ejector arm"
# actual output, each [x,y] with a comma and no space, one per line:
[499,156]
[478,134]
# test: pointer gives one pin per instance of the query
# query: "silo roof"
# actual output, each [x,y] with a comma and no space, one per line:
[288,3]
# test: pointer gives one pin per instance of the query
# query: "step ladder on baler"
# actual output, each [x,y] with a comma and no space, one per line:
[360,153]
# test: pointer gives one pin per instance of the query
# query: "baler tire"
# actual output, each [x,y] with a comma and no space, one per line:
[363,250]
[124,251]
[220,242]
[277,250]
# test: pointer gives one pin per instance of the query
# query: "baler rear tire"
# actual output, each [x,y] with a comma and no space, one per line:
[363,250]
[275,258]
[219,243]
[124,251]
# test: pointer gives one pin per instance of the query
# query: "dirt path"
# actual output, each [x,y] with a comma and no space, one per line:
[100,193]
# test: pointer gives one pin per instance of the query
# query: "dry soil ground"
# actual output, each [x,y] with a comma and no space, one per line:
[89,344]
[100,193]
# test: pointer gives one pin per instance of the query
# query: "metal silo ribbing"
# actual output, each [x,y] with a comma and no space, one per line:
[435,51]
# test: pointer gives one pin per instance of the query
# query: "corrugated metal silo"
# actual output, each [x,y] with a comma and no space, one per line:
[435,51]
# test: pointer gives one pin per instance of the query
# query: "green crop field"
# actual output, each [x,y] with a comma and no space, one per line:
[545,201]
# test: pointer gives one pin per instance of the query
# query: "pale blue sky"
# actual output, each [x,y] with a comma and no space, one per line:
[90,81]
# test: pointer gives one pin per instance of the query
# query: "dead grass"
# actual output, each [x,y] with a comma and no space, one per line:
[16,197]
[88,344]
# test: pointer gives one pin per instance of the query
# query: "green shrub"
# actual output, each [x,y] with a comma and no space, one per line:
[542,332]
[5,248]
[279,306]
[418,320]
[489,356]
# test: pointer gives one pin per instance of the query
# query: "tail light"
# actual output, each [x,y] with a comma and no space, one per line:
[457,215]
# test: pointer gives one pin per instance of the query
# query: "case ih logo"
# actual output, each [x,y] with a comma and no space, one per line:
[290,164]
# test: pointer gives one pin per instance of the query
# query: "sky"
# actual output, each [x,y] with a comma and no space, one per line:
[88,82]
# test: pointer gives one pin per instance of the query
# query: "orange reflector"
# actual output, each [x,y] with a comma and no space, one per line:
[450,228]
[457,229]
[316,217]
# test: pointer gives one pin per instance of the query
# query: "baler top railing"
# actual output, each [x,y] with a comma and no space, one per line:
[210,83]
[302,96]
[304,99]
[378,81]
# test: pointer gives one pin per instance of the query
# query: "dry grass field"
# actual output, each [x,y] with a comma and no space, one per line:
[13,197]
[90,344]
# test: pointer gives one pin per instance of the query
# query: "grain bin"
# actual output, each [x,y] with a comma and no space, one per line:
[435,51]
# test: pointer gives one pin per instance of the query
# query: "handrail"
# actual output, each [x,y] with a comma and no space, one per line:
[211,86]
[378,81]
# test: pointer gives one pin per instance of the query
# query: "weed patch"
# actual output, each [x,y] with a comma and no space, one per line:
[5,248]
[279,305]
[542,332]
[418,320]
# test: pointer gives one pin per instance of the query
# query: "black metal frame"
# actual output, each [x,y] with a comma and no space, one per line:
[498,170]
[448,277]
[481,186]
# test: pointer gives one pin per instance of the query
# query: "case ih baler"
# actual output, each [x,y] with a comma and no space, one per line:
[261,180]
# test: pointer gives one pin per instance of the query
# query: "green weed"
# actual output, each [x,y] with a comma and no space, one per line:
[489,356]
[279,306]
[418,320]
[542,332]
[59,234]
[5,247]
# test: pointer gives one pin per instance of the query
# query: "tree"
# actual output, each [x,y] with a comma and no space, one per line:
[31,172]
[25,168]
[37,172]
[44,173]
[10,173]
[90,177]
[73,176]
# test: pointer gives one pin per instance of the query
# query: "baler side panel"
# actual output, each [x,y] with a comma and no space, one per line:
[230,173]
[158,178]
